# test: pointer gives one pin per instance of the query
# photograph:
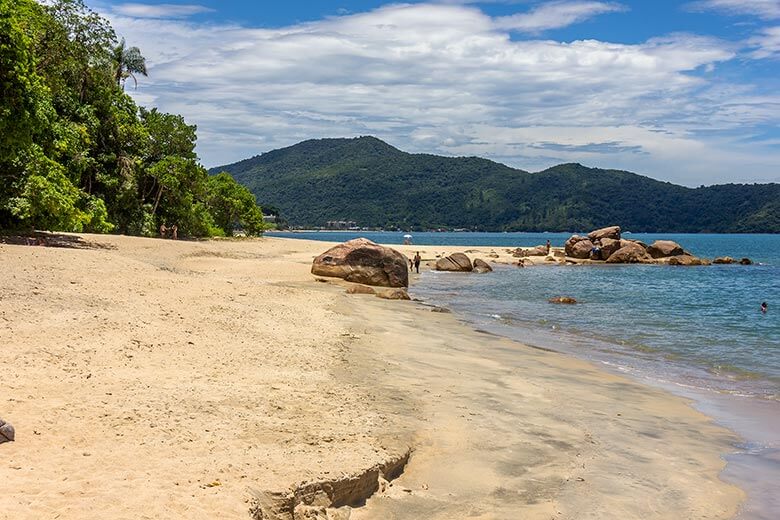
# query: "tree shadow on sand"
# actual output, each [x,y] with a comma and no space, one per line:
[46,239]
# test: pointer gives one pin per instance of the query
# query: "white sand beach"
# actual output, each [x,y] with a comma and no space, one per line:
[152,378]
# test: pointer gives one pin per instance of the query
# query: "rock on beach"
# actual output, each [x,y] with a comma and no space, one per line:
[480,266]
[365,262]
[455,262]
[7,433]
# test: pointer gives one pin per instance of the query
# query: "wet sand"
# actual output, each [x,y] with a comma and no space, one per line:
[158,379]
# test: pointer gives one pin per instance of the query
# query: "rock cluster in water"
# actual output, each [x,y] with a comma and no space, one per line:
[608,245]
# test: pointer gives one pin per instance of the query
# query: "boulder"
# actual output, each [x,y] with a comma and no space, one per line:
[578,247]
[480,266]
[609,246]
[7,433]
[393,294]
[665,248]
[362,261]
[566,300]
[612,232]
[361,289]
[746,261]
[723,260]
[686,260]
[627,241]
[521,252]
[454,262]
[536,251]
[629,254]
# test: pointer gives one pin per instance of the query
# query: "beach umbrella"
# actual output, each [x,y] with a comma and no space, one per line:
[407,236]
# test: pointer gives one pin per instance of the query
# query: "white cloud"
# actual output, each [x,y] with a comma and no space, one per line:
[766,43]
[554,15]
[159,10]
[443,79]
[767,9]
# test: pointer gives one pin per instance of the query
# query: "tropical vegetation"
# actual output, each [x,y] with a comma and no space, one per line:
[78,154]
[376,185]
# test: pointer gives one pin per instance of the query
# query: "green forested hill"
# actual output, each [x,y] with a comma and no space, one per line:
[374,184]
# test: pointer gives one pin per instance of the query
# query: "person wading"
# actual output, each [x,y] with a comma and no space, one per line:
[417,261]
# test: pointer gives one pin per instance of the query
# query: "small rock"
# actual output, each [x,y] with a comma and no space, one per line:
[7,432]
[723,260]
[360,289]
[568,300]
[394,294]
[480,266]
[746,261]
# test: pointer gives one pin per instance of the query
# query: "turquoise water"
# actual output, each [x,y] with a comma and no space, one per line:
[697,331]
[698,326]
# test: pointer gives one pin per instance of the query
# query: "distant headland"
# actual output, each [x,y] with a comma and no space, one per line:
[374,185]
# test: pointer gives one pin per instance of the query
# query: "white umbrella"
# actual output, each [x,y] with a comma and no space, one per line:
[407,236]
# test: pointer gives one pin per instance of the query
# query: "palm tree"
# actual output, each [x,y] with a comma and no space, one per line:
[128,62]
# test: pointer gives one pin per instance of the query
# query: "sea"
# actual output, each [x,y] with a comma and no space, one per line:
[698,332]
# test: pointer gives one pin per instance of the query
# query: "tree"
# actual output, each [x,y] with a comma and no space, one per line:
[76,152]
[232,204]
[128,62]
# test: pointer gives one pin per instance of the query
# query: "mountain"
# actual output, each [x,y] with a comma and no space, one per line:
[376,185]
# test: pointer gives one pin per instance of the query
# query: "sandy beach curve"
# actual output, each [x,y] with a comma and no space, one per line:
[153,378]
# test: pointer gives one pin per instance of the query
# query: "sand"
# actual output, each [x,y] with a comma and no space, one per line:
[151,378]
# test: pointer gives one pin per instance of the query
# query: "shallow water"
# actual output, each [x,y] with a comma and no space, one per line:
[697,331]
[701,326]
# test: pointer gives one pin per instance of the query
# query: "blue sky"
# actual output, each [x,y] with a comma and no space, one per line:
[687,92]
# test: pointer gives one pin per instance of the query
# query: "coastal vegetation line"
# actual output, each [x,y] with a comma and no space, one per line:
[78,154]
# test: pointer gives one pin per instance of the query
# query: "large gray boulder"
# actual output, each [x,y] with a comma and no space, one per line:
[612,232]
[629,254]
[665,248]
[362,261]
[455,262]
[578,247]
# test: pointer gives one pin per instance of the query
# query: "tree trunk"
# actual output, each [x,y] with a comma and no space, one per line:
[157,200]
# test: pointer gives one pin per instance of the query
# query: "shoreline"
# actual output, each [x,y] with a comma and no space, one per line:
[379,379]
[525,469]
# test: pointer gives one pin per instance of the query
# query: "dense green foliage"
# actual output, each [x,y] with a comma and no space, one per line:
[77,154]
[376,185]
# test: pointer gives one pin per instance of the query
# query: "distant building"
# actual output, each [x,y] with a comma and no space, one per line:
[269,219]
[341,224]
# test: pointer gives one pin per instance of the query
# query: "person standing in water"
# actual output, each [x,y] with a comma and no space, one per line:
[764,307]
[549,246]
[417,261]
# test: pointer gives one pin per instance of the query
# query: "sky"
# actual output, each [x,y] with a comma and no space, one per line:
[686,92]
